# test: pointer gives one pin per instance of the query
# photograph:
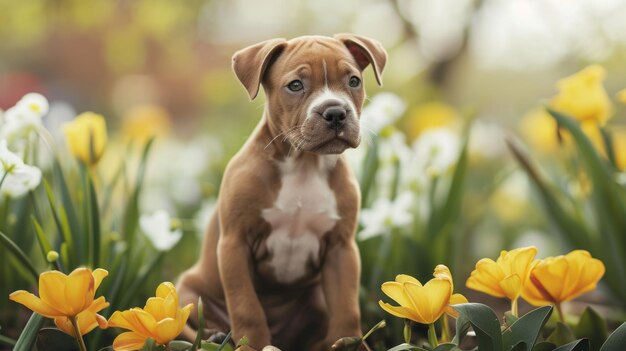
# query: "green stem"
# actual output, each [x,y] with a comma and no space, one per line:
[514,308]
[432,336]
[559,309]
[77,335]
[445,329]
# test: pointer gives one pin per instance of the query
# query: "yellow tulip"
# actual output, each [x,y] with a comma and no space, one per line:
[68,296]
[161,319]
[86,137]
[505,277]
[422,304]
[429,116]
[619,147]
[563,278]
[144,122]
[621,96]
[583,96]
[442,272]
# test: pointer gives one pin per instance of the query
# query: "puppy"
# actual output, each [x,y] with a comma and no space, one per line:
[279,263]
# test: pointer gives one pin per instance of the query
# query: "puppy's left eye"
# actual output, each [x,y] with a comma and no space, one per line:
[354,82]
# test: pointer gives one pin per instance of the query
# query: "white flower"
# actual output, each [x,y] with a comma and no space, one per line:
[16,177]
[385,215]
[204,215]
[158,229]
[382,111]
[24,117]
[436,150]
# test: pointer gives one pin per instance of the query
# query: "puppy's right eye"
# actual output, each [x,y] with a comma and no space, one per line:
[295,85]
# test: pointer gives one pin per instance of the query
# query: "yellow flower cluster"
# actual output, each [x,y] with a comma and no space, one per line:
[583,97]
[552,280]
[69,300]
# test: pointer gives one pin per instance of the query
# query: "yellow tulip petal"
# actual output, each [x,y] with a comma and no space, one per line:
[521,261]
[512,286]
[486,278]
[431,299]
[98,275]
[455,299]
[128,320]
[442,272]
[396,292]
[165,289]
[533,294]
[182,316]
[170,305]
[145,320]
[52,290]
[155,306]
[403,278]
[166,331]
[399,311]
[79,290]
[35,304]
[64,324]
[128,341]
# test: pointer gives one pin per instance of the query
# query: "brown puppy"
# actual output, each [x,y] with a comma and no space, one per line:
[279,262]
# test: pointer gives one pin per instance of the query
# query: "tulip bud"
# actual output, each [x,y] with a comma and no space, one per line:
[52,256]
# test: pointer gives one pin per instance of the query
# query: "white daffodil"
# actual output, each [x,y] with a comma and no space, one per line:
[158,229]
[16,178]
[383,110]
[385,215]
[24,117]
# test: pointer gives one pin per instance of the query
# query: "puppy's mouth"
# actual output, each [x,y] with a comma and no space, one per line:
[333,144]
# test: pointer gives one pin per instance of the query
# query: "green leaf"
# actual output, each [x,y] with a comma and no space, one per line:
[27,339]
[593,327]
[485,323]
[131,215]
[60,219]
[198,342]
[70,213]
[7,341]
[544,346]
[578,345]
[44,243]
[93,223]
[617,340]
[180,345]
[462,327]
[520,346]
[406,346]
[140,279]
[20,255]
[52,339]
[562,334]
[447,347]
[225,346]
[527,328]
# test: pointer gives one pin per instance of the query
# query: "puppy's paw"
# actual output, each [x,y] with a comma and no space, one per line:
[270,348]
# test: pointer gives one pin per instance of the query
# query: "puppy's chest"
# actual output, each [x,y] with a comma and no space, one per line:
[304,210]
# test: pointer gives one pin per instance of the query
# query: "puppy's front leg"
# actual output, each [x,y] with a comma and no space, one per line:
[341,278]
[246,314]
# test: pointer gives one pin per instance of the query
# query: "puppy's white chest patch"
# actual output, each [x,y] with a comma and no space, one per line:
[305,209]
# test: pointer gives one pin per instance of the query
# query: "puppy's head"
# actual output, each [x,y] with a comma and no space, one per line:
[313,86]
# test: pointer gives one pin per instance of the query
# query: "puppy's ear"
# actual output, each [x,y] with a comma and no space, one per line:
[251,63]
[366,51]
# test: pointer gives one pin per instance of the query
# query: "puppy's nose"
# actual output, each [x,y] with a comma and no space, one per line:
[335,116]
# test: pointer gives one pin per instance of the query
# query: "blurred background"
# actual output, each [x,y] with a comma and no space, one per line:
[439,183]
